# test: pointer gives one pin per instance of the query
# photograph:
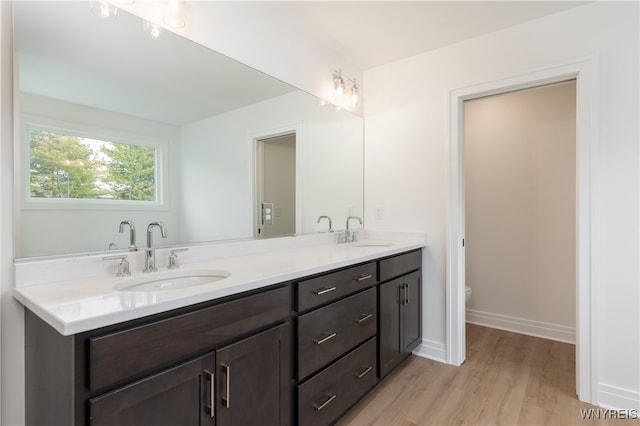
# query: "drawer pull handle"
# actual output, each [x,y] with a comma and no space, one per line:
[212,390]
[364,318]
[227,399]
[330,398]
[321,291]
[364,373]
[324,339]
[364,277]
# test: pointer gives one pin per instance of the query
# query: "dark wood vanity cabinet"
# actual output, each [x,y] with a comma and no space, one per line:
[336,342]
[226,363]
[154,400]
[399,307]
[254,380]
[245,383]
[326,396]
[296,353]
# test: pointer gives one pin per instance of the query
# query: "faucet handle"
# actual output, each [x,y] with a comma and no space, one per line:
[123,266]
[173,258]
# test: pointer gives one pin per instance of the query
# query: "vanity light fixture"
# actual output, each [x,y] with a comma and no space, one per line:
[104,10]
[154,31]
[173,16]
[341,97]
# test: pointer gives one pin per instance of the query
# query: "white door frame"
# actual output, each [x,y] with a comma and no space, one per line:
[584,71]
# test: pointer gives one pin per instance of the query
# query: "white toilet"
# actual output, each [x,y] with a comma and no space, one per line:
[467,293]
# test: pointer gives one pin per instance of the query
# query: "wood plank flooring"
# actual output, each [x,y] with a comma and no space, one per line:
[507,379]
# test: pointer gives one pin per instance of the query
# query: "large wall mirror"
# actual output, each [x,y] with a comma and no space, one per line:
[113,125]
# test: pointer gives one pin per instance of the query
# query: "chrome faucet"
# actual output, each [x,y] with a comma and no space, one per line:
[150,253]
[348,235]
[132,233]
[329,219]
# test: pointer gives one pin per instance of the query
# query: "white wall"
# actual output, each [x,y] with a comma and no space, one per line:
[6,182]
[11,340]
[221,147]
[407,119]
[520,214]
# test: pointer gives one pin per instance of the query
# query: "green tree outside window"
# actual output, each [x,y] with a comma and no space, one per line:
[71,167]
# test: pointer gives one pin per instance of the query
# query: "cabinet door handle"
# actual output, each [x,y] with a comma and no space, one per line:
[330,398]
[212,393]
[324,339]
[364,277]
[364,372]
[227,398]
[363,318]
[321,291]
[403,289]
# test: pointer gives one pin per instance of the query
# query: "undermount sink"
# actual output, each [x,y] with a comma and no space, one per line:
[371,244]
[172,280]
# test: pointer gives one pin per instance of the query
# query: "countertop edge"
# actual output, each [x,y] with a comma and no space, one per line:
[68,328]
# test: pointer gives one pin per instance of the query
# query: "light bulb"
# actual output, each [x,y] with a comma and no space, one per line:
[340,86]
[354,96]
[152,29]
[173,17]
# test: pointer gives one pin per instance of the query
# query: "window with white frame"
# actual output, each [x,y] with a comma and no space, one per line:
[80,166]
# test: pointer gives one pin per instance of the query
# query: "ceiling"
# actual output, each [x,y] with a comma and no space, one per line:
[372,33]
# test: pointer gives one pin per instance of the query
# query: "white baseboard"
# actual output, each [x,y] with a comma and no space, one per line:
[617,398]
[431,350]
[523,326]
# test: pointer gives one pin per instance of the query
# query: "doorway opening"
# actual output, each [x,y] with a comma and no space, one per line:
[520,219]
[276,199]
[520,209]
[582,70]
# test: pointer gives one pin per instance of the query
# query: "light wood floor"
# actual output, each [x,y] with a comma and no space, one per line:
[507,379]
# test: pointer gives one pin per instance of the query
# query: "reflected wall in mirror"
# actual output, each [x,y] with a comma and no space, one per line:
[202,113]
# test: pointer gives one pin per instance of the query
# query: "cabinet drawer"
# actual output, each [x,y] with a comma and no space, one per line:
[130,353]
[399,265]
[328,332]
[319,290]
[327,395]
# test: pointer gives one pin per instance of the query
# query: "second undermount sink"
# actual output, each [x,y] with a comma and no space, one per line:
[371,244]
[172,280]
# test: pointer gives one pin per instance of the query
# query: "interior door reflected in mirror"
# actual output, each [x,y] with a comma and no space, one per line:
[276,186]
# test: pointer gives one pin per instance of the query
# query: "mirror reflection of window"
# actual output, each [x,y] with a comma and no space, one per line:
[63,165]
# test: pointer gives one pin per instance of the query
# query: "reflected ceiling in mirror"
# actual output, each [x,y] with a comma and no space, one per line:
[68,53]
[204,111]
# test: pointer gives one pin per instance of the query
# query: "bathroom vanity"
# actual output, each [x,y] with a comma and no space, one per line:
[300,351]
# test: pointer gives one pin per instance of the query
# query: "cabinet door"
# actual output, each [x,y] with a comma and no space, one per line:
[411,315]
[389,337]
[254,380]
[177,396]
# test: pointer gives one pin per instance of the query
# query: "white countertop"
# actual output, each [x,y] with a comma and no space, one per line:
[79,305]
